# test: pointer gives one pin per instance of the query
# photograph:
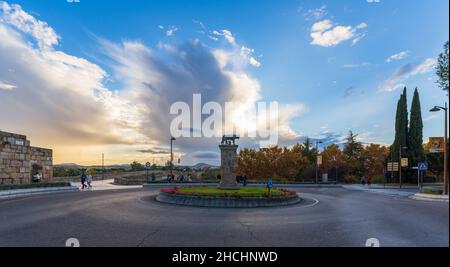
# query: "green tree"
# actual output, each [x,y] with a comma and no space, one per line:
[136,166]
[401,127]
[442,68]
[415,148]
[352,153]
[352,147]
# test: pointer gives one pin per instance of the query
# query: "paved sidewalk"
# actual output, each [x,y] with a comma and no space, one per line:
[7,194]
[429,197]
[106,185]
[405,191]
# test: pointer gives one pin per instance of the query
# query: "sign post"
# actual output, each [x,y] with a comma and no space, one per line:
[421,166]
[269,185]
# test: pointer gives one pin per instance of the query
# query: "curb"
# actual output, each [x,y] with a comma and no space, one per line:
[429,197]
[227,202]
[248,185]
[36,191]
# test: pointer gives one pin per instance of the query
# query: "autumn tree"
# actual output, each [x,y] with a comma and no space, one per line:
[373,159]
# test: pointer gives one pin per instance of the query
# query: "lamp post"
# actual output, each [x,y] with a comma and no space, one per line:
[171,154]
[317,160]
[400,163]
[445,109]
[103,166]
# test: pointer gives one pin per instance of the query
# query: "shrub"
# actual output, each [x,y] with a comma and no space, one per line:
[378,179]
[351,179]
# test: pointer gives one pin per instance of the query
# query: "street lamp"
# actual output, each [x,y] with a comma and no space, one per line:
[317,160]
[171,154]
[336,168]
[445,109]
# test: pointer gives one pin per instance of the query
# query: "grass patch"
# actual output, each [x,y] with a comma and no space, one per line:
[216,192]
[434,190]
[30,186]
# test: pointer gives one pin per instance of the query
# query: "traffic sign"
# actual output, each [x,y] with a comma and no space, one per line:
[319,160]
[423,166]
[404,162]
[392,166]
[436,144]
[148,165]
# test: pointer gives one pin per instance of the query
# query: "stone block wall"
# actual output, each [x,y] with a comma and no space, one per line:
[19,161]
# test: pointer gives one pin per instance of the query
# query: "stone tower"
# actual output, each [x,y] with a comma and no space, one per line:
[228,153]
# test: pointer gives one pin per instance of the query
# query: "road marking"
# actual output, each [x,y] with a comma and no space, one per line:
[316,201]
[72,242]
[373,242]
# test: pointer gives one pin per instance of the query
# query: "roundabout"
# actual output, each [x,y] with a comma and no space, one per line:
[244,197]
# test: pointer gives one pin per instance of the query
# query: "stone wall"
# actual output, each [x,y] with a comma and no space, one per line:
[19,161]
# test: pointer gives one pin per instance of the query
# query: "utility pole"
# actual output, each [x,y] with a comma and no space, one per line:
[446,152]
[103,166]
[317,160]
[171,154]
[445,109]
[400,165]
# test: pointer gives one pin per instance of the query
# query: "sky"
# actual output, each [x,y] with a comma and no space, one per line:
[91,77]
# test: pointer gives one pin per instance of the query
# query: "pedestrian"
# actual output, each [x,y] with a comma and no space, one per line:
[244,180]
[89,179]
[83,179]
[153,176]
[37,177]
[363,180]
[369,181]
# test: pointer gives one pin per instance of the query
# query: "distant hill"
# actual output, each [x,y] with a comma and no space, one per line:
[68,165]
[200,166]
[76,166]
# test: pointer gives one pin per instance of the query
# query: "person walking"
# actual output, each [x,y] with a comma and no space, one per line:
[83,179]
[369,181]
[363,180]
[89,179]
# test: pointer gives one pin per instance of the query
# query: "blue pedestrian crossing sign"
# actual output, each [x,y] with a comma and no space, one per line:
[423,166]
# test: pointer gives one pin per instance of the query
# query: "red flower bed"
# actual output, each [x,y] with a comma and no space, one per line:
[170,190]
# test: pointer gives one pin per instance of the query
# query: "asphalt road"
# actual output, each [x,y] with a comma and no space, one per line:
[328,217]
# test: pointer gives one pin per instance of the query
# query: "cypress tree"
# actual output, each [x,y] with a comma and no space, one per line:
[394,147]
[404,121]
[416,152]
[401,127]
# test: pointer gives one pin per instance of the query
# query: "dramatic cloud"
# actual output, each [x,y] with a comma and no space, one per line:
[401,75]
[228,35]
[325,33]
[54,93]
[65,101]
[399,56]
[15,16]
[246,53]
